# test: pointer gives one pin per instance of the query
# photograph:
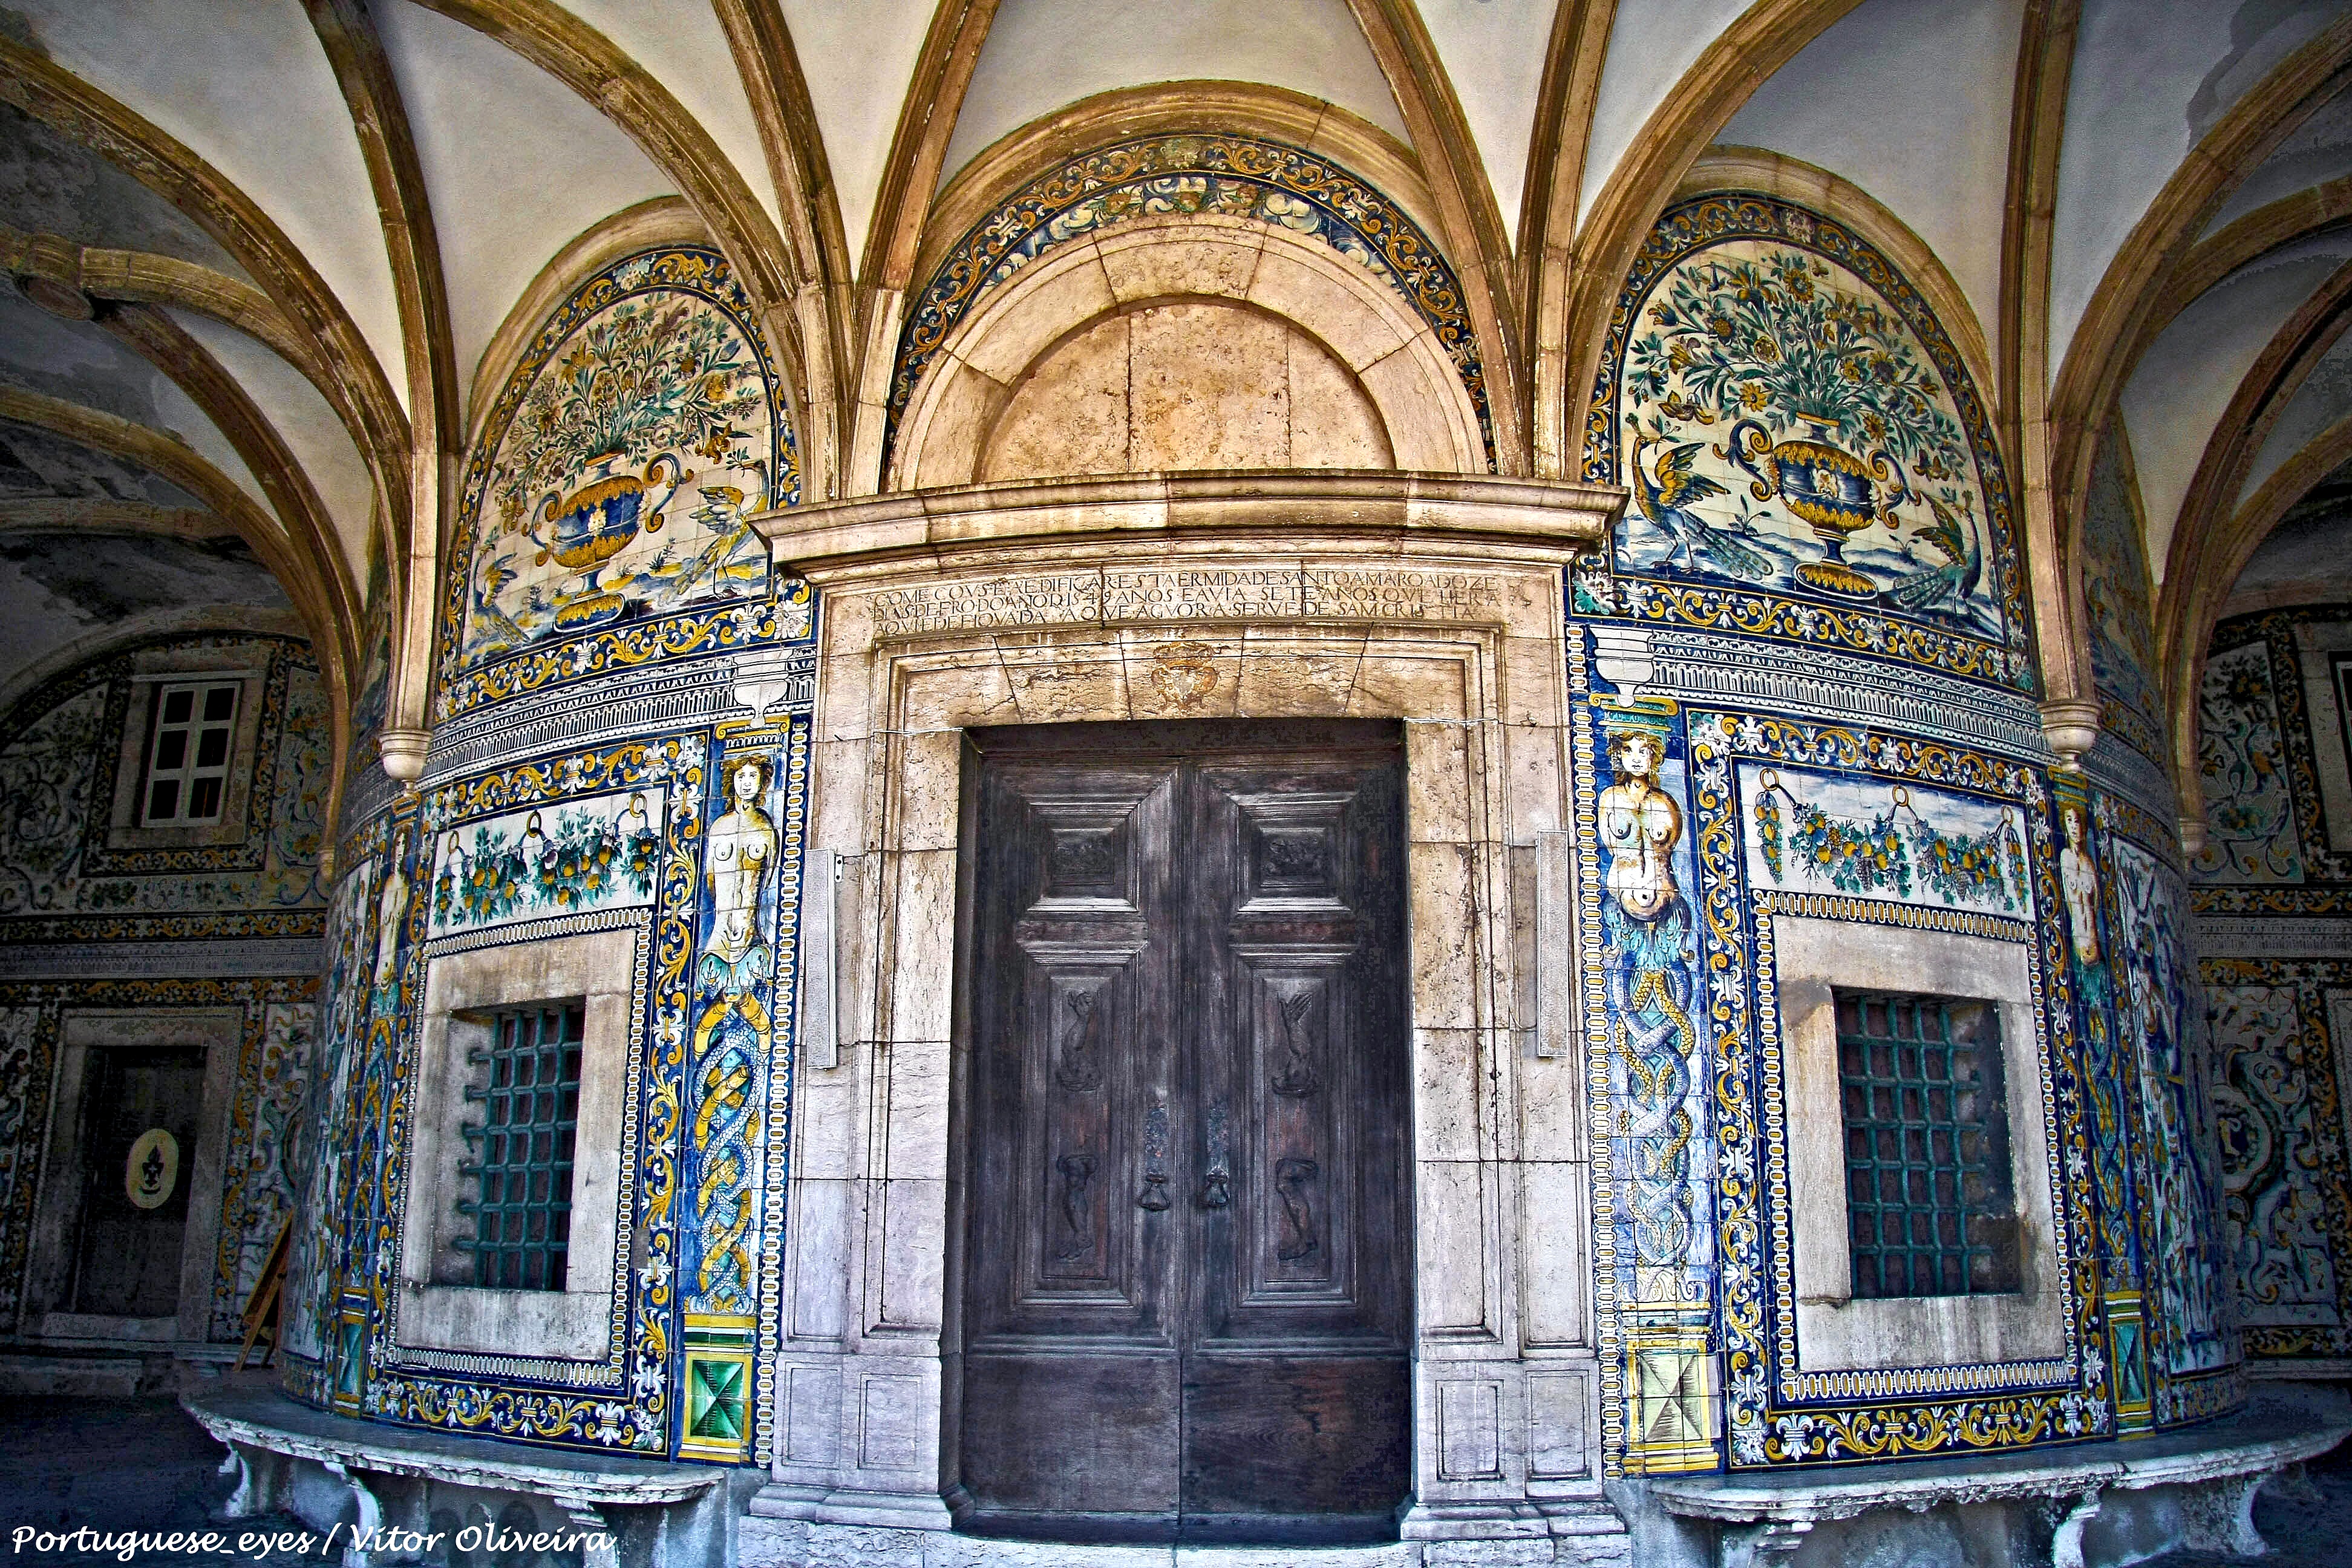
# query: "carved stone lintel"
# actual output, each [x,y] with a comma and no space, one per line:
[2071,727]
[402,752]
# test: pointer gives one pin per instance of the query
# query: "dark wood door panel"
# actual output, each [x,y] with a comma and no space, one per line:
[134,1216]
[1188,1244]
[1055,1432]
[1325,1438]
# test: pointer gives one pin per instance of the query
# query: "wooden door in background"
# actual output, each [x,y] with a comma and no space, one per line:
[139,1139]
[1187,1275]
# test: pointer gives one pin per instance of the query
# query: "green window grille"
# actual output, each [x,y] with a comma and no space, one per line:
[1928,1196]
[527,1084]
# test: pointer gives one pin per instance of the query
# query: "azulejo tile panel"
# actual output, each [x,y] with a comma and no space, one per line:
[693,838]
[2110,1089]
[2259,753]
[2160,1021]
[1916,846]
[1776,1414]
[1808,457]
[2117,595]
[603,510]
[2278,993]
[270,1085]
[2242,770]
[2287,1185]
[28,1050]
[574,857]
[60,876]
[1213,172]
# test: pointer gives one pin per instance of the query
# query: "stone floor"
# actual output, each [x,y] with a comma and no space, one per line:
[141,1464]
[114,1465]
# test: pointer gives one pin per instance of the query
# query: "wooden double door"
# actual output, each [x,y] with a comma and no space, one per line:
[1187,1266]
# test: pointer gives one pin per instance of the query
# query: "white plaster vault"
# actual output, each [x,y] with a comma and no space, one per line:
[1436,601]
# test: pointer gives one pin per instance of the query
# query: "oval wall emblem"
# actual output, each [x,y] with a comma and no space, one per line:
[152,1171]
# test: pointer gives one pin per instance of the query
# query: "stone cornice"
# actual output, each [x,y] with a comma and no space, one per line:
[1289,510]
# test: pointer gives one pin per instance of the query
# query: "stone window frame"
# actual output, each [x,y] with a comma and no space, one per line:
[219,1032]
[165,667]
[434,1312]
[1837,1331]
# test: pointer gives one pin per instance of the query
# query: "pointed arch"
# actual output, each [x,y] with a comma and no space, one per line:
[165,344]
[143,278]
[624,92]
[1249,107]
[2214,537]
[176,461]
[919,149]
[1766,172]
[1469,218]
[347,34]
[1564,99]
[2037,128]
[2307,211]
[1768,36]
[355,385]
[664,220]
[770,67]
[2100,355]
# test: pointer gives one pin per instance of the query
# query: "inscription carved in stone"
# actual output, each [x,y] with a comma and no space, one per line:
[979,604]
[1189,594]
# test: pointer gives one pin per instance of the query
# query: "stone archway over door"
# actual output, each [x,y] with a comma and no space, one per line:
[1187,1272]
[1431,602]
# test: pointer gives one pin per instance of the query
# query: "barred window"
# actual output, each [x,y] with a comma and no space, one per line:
[1929,1195]
[527,1083]
[188,760]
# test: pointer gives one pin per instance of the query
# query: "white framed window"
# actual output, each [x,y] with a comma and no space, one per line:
[511,1238]
[190,754]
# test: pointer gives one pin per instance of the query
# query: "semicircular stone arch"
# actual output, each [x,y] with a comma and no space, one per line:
[1808,457]
[1187,342]
[1246,194]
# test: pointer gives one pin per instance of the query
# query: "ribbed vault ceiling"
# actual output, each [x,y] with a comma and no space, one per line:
[2140,227]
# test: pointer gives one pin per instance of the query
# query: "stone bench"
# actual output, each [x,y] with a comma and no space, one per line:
[2217,1467]
[673,1515]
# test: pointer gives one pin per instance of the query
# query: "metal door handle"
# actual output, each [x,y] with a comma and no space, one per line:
[1216,1190]
[1154,1196]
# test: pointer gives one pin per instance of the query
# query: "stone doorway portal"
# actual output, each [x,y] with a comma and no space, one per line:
[1187,1287]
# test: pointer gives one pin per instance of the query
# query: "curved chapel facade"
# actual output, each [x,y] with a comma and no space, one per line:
[1216,852]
